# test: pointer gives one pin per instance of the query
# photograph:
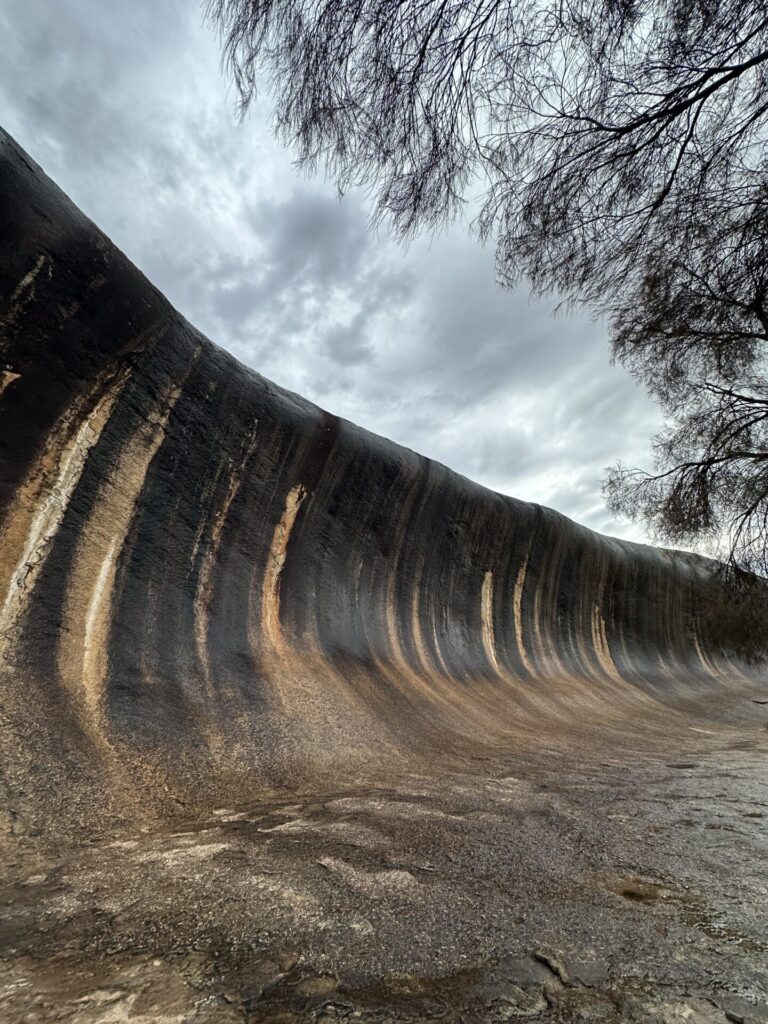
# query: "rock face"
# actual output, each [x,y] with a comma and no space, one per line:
[209,586]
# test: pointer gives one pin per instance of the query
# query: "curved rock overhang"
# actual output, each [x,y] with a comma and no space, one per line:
[207,582]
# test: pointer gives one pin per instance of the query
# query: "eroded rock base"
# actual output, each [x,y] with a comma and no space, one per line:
[559,886]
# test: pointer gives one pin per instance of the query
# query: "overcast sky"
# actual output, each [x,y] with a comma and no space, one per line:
[125,106]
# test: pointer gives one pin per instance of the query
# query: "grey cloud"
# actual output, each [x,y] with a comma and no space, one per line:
[311,248]
[349,344]
[313,234]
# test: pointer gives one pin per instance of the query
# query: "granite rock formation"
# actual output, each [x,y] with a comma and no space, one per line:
[209,586]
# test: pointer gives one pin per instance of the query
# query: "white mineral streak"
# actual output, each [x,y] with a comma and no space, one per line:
[517,602]
[96,625]
[425,662]
[84,646]
[601,647]
[706,662]
[24,292]
[62,464]
[438,650]
[486,614]
[277,554]
[28,281]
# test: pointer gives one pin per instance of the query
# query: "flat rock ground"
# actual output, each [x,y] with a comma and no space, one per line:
[581,884]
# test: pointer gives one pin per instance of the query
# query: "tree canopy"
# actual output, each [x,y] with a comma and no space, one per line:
[580,120]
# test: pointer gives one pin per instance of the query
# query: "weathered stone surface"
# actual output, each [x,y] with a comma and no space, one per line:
[207,583]
[297,725]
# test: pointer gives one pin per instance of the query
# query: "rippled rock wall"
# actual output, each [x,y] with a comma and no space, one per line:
[208,584]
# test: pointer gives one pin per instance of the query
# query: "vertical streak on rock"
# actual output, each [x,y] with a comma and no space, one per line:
[706,662]
[537,638]
[396,653]
[24,292]
[601,647]
[97,628]
[486,614]
[517,602]
[425,661]
[42,502]
[84,645]
[202,519]
[413,684]
[546,616]
[29,279]
[270,603]
[204,589]
[665,653]
[411,681]
[391,603]
[430,666]
[436,641]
